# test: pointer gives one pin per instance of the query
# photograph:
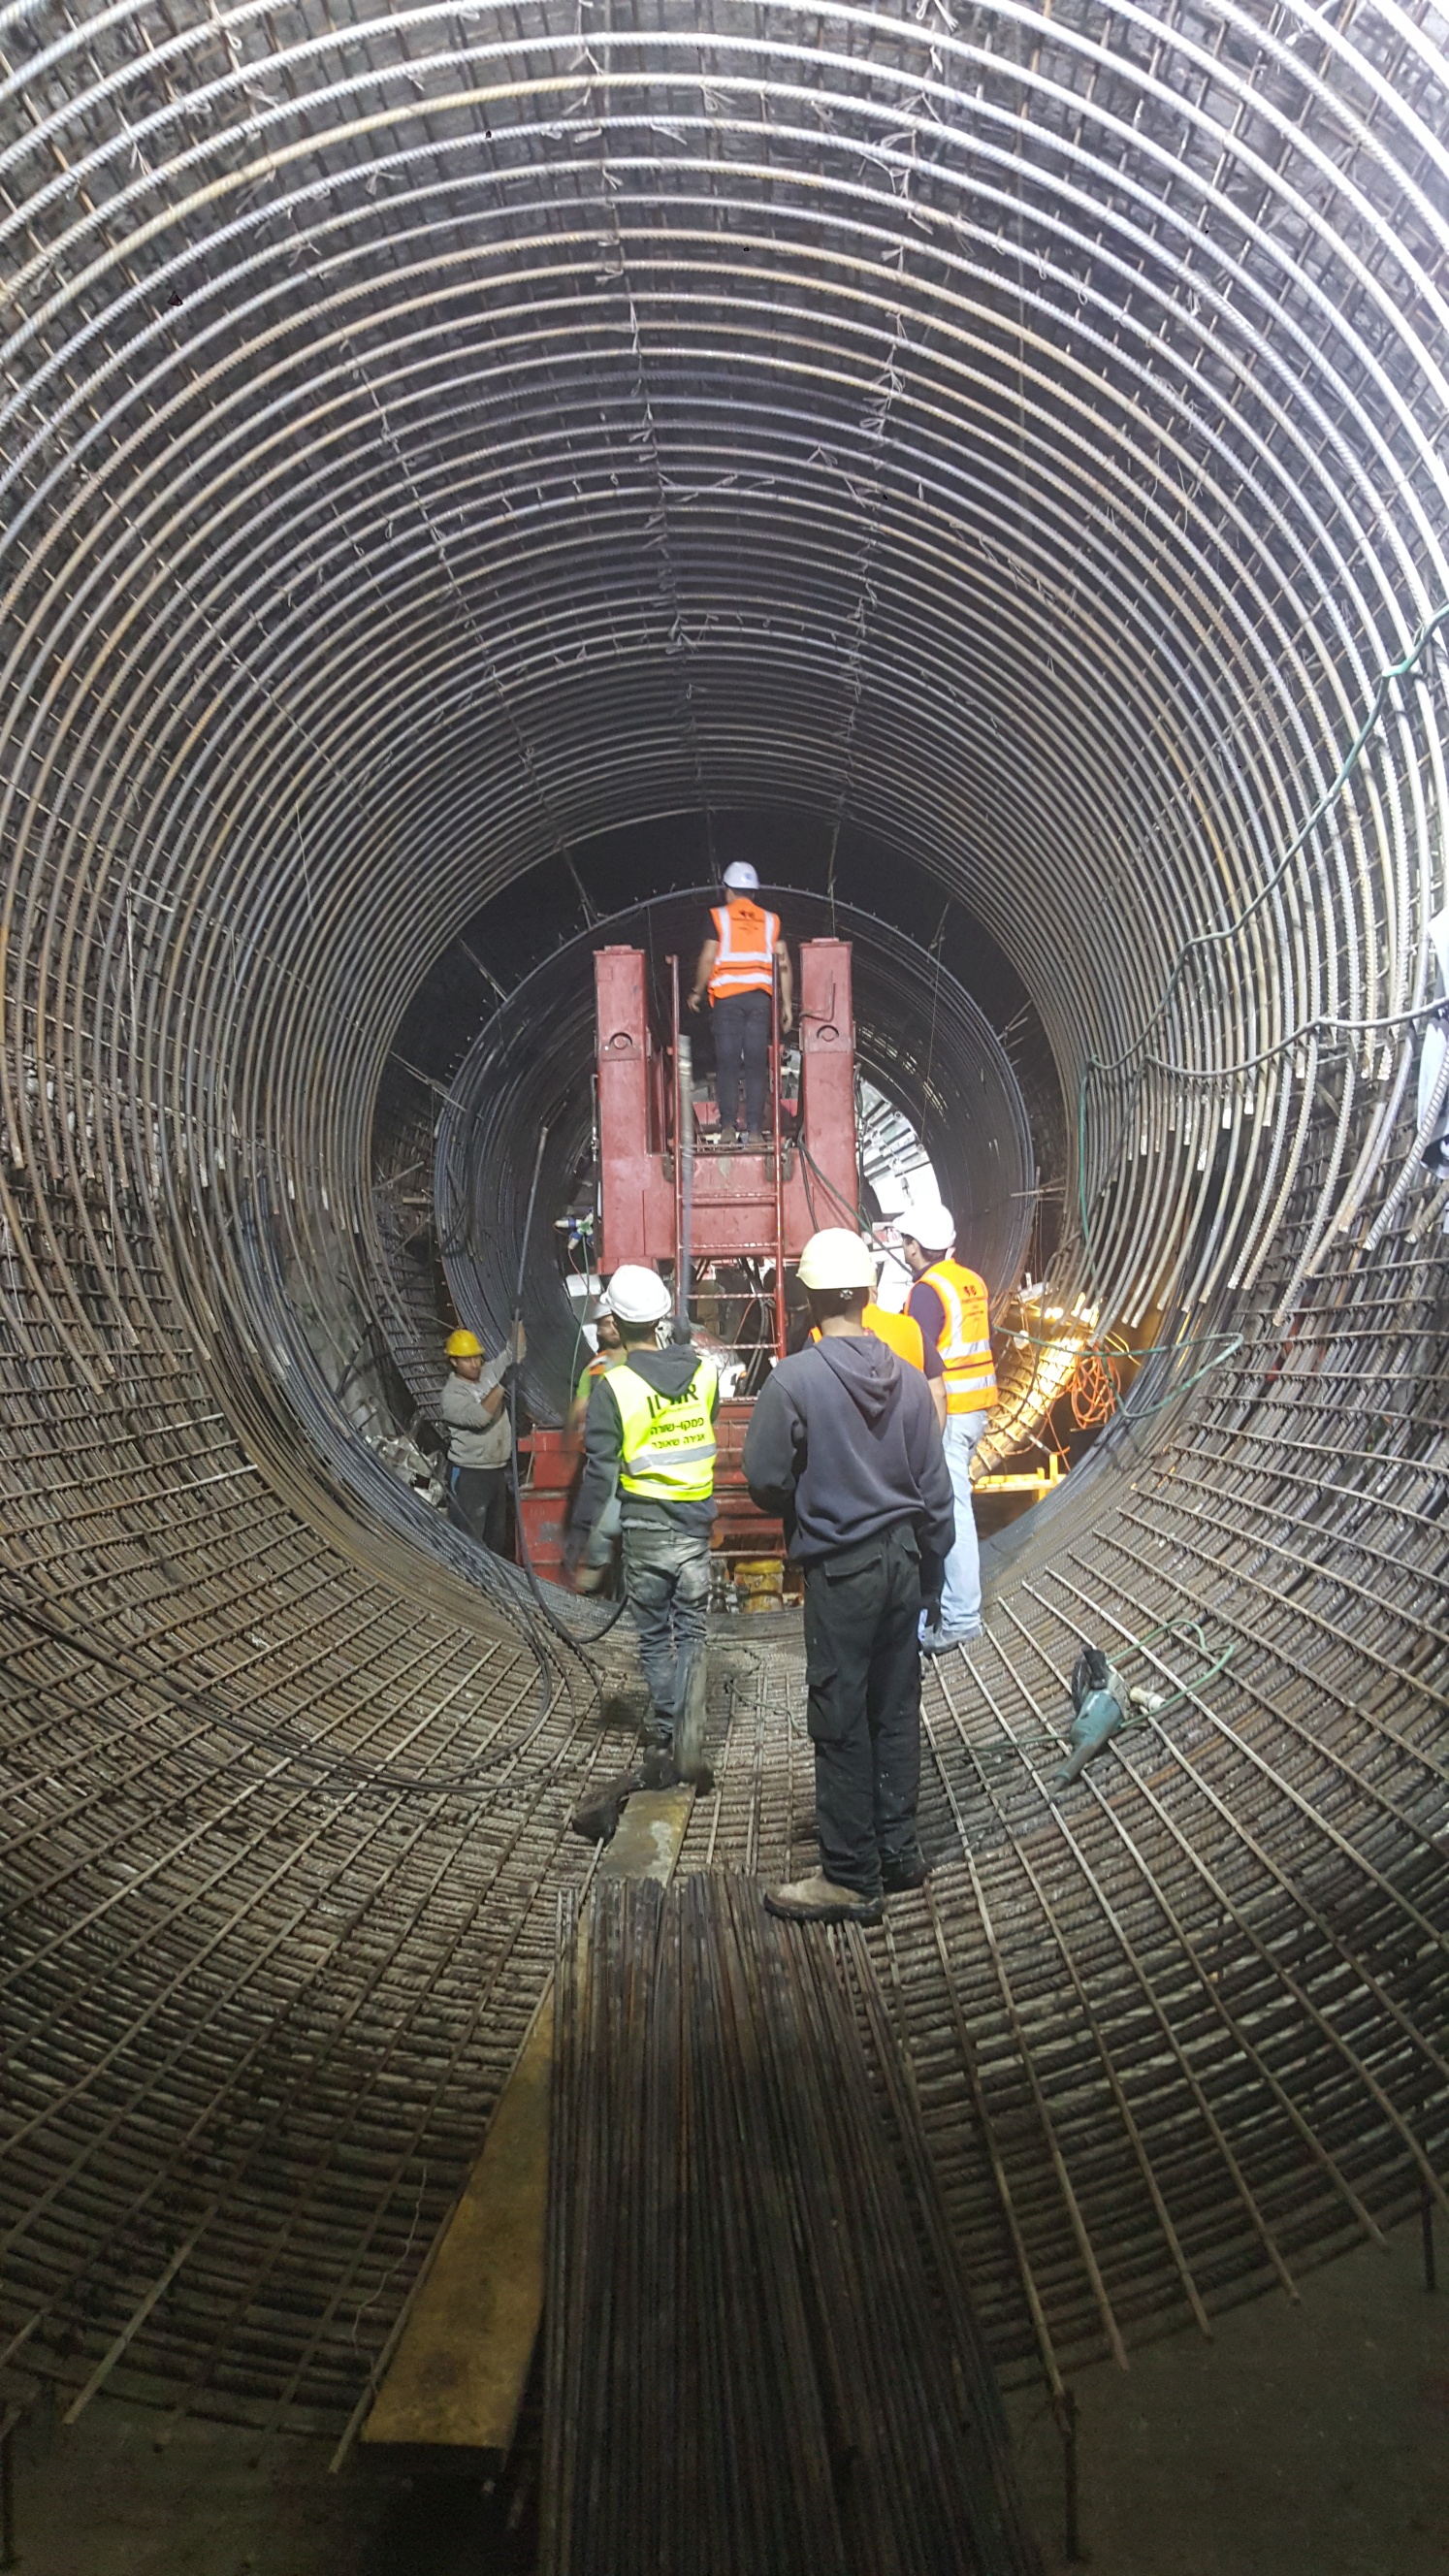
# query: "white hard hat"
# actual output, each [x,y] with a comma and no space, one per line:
[637,1295]
[742,877]
[929,1224]
[836,1258]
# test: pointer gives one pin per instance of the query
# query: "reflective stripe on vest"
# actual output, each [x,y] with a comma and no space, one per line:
[965,1340]
[667,1444]
[747,939]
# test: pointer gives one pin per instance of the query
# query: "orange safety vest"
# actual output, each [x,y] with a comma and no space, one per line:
[747,939]
[965,1339]
[900,1333]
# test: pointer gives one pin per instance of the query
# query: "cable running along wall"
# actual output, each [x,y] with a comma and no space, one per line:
[432,436]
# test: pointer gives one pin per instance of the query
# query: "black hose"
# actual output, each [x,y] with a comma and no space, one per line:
[577,1645]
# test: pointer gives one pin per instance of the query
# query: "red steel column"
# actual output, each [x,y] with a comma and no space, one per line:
[827,1079]
[637,1216]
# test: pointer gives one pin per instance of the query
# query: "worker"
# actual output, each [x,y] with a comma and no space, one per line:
[844,1444]
[950,1304]
[649,1447]
[737,968]
[610,1349]
[480,1438]
[901,1334]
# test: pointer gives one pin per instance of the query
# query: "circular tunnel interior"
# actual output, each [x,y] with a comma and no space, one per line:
[457,465]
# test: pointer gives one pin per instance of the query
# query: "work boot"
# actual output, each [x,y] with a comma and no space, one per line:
[912,1869]
[757,1141]
[939,1641]
[597,1820]
[657,1770]
[818,1900]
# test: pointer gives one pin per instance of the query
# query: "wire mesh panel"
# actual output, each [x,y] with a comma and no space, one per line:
[431,437]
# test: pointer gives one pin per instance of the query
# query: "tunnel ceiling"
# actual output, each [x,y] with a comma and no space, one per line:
[433,436]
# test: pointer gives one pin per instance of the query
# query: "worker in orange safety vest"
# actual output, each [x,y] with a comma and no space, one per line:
[737,968]
[950,1304]
[903,1335]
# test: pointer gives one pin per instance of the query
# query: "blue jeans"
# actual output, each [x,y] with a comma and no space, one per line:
[961,1591]
[666,1584]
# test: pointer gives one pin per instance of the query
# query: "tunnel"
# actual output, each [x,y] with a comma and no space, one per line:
[454,455]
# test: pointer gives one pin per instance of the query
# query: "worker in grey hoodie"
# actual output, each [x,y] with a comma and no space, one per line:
[649,1469]
[844,1443]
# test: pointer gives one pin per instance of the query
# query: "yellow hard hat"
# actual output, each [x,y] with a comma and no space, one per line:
[463,1345]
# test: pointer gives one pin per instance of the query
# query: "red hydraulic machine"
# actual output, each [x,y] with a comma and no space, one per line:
[722,1220]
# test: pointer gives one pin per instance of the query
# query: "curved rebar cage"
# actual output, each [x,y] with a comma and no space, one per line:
[434,435]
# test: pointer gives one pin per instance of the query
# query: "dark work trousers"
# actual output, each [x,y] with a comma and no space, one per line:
[863,1671]
[741,1027]
[478,1503]
[666,1584]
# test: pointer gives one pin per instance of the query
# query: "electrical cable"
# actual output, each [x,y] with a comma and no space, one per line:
[1095,1390]
[578,1645]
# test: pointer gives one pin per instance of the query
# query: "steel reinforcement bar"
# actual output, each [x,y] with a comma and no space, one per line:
[432,435]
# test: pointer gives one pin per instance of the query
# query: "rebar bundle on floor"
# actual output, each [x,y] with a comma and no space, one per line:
[760,2357]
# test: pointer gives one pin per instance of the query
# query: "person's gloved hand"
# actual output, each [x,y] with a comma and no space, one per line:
[588,1578]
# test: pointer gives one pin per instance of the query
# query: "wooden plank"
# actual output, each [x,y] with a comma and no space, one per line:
[456,2381]
[651,1830]
[458,2375]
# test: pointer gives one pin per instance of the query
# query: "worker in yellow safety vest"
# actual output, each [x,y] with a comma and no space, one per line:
[737,968]
[950,1304]
[649,1469]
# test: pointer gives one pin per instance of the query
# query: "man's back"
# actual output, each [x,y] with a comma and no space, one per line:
[844,1442]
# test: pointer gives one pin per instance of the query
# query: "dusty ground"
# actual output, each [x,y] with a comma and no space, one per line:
[1309,2441]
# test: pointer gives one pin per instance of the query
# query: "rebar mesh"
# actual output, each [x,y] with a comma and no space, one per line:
[434,435]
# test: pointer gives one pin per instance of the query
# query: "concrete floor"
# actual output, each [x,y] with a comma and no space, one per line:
[1310,2441]
[1303,2441]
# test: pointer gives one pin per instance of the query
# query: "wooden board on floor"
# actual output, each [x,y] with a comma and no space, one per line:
[650,1832]
[457,2379]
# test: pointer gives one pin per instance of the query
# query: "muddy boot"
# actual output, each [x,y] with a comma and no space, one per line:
[597,1819]
[657,1770]
[912,1869]
[819,1900]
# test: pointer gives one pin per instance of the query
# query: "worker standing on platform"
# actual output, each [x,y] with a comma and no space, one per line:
[480,1437]
[737,967]
[845,1445]
[949,1302]
[649,1449]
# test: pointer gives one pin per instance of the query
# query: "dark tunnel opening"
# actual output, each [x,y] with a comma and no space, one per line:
[921,1044]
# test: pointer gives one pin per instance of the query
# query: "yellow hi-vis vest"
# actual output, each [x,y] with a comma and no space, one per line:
[965,1341]
[667,1451]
